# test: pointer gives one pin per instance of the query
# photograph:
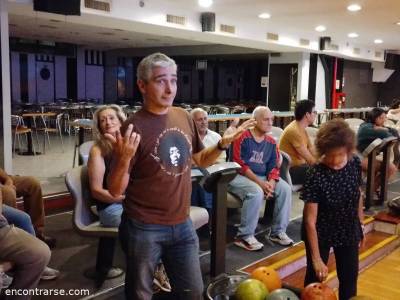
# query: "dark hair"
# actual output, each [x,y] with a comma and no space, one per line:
[375,113]
[395,104]
[335,134]
[302,107]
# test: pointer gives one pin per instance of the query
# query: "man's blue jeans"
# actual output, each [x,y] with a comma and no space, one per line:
[252,197]
[178,248]
[18,218]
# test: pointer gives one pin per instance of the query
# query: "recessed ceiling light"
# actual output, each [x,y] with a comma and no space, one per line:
[352,35]
[398,23]
[320,28]
[378,41]
[354,7]
[205,3]
[264,16]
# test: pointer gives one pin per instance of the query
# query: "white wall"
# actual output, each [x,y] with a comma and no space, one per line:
[320,97]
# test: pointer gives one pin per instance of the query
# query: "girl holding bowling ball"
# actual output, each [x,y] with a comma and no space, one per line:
[333,210]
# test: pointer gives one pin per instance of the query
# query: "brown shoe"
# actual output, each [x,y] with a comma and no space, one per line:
[50,241]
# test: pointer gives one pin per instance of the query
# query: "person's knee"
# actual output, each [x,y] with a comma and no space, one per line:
[40,253]
[283,188]
[9,195]
[33,182]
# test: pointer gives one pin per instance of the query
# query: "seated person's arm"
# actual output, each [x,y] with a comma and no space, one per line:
[96,170]
[305,153]
[5,179]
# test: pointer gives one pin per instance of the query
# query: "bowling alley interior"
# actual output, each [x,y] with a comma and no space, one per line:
[292,82]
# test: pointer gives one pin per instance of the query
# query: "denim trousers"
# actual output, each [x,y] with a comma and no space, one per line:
[252,196]
[176,245]
[19,219]
[111,215]
[200,197]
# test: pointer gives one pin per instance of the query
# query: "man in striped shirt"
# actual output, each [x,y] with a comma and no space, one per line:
[258,155]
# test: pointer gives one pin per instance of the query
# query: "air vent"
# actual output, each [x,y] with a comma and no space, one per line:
[356,51]
[304,42]
[176,19]
[98,5]
[227,28]
[272,36]
[378,54]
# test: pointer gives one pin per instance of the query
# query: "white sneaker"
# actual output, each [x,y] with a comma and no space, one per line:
[281,239]
[249,243]
[5,280]
[161,278]
[49,274]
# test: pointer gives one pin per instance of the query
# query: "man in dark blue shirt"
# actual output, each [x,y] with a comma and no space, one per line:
[258,155]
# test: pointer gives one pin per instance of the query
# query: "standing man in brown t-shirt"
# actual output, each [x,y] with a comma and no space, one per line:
[296,143]
[151,164]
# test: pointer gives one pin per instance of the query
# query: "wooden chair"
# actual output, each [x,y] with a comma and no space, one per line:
[19,128]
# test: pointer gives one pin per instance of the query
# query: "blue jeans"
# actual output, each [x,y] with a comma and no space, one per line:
[200,197]
[178,247]
[111,215]
[252,197]
[19,219]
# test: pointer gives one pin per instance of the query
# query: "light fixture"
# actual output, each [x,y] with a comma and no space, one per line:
[205,3]
[352,35]
[354,7]
[378,41]
[320,28]
[398,23]
[264,16]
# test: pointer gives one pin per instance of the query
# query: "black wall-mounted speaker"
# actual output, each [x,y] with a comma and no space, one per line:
[324,43]
[207,21]
[392,61]
[62,7]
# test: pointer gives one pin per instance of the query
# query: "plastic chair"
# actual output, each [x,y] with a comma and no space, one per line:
[354,123]
[86,223]
[84,151]
[276,133]
[18,128]
[312,133]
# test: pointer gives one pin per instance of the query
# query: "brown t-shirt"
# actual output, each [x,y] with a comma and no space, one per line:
[159,187]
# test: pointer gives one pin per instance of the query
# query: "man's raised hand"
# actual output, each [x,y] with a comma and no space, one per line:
[124,147]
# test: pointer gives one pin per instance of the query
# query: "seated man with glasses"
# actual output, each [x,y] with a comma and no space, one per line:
[296,143]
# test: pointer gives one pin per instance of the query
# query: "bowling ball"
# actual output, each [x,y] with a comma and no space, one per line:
[282,294]
[318,291]
[361,297]
[251,289]
[268,276]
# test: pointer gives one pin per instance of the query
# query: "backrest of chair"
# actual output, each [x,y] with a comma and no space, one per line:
[84,151]
[276,133]
[77,181]
[312,133]
[354,123]
[285,165]
[374,145]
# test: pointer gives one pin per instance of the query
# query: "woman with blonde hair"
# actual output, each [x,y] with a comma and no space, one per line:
[106,119]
